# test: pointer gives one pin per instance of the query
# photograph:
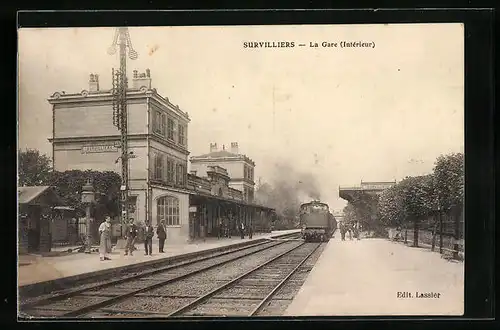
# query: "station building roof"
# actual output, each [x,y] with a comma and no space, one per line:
[33,195]
[220,154]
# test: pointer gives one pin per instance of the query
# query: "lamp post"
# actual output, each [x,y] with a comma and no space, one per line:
[88,198]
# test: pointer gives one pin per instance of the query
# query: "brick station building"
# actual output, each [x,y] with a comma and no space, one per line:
[84,137]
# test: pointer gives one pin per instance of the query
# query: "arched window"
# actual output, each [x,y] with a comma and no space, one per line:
[168,210]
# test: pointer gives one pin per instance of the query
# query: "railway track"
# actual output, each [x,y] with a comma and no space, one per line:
[250,293]
[90,300]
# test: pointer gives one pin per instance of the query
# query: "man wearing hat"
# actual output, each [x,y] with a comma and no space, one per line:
[130,234]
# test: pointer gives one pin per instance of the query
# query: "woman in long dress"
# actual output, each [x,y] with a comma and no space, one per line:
[105,239]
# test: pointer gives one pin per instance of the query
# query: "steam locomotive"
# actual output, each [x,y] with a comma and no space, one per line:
[318,223]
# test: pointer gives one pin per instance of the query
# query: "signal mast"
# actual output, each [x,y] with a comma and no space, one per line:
[119,92]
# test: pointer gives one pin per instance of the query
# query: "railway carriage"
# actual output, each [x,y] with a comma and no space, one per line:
[318,223]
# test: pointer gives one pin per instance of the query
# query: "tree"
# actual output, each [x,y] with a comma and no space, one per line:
[350,213]
[449,180]
[449,184]
[34,168]
[418,196]
[364,208]
[69,185]
[418,201]
[391,207]
[415,198]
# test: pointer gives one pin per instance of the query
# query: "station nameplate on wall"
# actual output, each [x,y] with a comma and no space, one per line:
[88,149]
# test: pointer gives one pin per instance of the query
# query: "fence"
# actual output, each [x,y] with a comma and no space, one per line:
[445,235]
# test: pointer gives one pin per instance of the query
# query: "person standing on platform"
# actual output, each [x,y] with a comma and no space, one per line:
[130,234]
[148,238]
[250,230]
[229,223]
[161,231]
[220,231]
[105,238]
[349,230]
[356,230]
[242,230]
[342,230]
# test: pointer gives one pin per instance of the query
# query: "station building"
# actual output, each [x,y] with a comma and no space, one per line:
[84,137]
[231,175]
[240,168]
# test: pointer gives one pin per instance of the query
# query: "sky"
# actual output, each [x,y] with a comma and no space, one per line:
[340,114]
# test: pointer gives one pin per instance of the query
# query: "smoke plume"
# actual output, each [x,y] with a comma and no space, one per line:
[287,189]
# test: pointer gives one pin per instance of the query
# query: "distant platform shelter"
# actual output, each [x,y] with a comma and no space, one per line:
[371,188]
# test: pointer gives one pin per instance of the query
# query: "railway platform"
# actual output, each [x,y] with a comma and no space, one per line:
[34,270]
[376,277]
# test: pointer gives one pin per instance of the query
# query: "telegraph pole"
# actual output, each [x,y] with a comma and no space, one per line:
[122,39]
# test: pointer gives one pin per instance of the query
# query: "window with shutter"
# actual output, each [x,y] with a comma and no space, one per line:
[158,166]
[170,128]
[157,122]
[181,139]
[163,124]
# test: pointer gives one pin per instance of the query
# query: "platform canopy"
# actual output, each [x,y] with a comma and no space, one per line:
[369,188]
[238,202]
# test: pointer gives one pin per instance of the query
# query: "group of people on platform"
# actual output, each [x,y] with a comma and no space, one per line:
[350,228]
[131,232]
[224,228]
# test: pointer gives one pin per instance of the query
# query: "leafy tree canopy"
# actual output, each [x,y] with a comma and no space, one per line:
[106,186]
[363,207]
[391,207]
[449,180]
[417,196]
[34,168]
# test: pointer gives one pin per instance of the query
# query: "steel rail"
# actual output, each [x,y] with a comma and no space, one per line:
[76,291]
[222,287]
[92,307]
[277,287]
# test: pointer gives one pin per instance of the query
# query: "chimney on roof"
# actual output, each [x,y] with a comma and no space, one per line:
[213,147]
[140,80]
[234,147]
[94,83]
